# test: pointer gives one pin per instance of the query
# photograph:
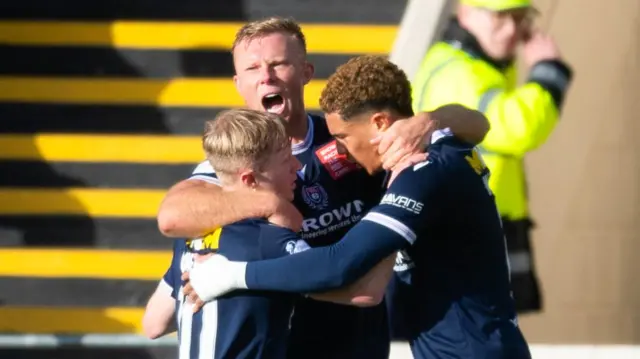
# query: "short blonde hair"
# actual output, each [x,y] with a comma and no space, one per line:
[261,28]
[243,138]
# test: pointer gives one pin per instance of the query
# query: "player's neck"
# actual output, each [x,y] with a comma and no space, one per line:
[298,127]
[234,186]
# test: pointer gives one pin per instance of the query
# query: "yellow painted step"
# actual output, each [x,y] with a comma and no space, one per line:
[321,38]
[133,203]
[43,320]
[208,92]
[84,263]
[151,149]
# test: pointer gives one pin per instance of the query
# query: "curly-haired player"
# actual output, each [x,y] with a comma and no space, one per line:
[352,91]
[440,215]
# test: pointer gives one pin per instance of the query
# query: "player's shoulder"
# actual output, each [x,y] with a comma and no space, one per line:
[257,228]
[430,173]
[420,173]
[447,154]
[237,241]
[179,246]
[182,257]
[448,149]
[249,226]
[319,130]
[461,160]
[270,232]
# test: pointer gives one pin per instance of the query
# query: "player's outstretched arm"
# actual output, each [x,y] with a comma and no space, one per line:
[343,263]
[388,228]
[313,271]
[193,208]
[365,292]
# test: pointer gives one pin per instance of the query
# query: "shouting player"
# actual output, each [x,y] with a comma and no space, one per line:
[248,150]
[271,71]
[440,213]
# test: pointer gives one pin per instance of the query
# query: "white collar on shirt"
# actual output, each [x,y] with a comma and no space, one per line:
[301,147]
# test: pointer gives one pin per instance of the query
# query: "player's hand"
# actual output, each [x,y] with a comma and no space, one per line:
[285,214]
[404,138]
[539,47]
[214,277]
[407,162]
[187,290]
[190,294]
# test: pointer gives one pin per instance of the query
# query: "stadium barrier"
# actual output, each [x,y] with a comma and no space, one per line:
[52,341]
[398,350]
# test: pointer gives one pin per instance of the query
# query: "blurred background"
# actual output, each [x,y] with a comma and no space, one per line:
[102,104]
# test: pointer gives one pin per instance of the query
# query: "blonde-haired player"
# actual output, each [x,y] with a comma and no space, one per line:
[249,150]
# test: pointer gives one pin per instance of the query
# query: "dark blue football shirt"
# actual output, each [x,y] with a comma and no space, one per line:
[332,194]
[442,216]
[246,323]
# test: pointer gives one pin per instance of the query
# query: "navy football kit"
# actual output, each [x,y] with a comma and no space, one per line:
[242,324]
[332,194]
[441,215]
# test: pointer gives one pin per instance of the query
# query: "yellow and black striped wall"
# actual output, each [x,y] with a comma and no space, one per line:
[101,108]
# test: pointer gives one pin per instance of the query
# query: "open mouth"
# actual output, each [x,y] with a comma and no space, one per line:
[273,103]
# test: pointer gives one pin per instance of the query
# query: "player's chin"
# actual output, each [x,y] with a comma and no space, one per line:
[370,169]
[289,194]
[375,166]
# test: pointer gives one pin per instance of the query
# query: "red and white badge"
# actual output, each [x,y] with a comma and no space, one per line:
[336,164]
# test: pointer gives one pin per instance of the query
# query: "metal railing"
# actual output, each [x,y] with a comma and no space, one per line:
[40,341]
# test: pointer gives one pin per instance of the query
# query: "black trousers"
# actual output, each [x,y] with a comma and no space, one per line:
[524,280]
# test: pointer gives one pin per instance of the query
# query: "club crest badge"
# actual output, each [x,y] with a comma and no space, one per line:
[315,196]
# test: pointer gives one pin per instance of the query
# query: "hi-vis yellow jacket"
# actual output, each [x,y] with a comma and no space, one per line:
[456,70]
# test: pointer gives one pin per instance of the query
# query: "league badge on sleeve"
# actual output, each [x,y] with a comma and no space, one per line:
[293,247]
[335,163]
[315,196]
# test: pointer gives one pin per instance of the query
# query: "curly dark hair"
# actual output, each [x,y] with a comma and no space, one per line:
[367,83]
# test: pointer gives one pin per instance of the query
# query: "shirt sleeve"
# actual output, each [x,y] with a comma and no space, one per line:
[276,241]
[166,288]
[388,227]
[171,278]
[204,172]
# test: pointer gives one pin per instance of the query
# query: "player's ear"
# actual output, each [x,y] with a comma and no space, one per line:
[248,179]
[380,121]
[308,72]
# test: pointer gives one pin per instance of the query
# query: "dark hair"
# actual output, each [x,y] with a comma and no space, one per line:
[367,83]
